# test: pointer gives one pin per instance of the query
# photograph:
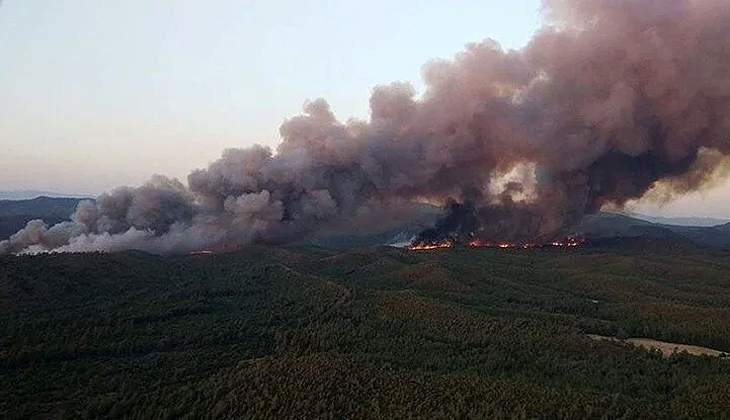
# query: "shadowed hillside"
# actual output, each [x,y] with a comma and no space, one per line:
[610,225]
[14,214]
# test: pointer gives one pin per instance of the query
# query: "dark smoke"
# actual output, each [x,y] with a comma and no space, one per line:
[458,225]
[611,100]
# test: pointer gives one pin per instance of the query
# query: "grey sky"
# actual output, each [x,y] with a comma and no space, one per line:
[104,93]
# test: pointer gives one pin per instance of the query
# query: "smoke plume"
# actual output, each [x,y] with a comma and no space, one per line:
[607,101]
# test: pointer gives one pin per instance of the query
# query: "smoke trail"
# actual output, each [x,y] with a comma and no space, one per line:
[611,99]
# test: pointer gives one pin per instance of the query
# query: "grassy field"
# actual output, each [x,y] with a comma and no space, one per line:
[667,349]
[309,332]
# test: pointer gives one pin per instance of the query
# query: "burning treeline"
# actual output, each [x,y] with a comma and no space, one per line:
[463,225]
[611,99]
[420,245]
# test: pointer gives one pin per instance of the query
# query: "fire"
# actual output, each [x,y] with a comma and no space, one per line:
[478,243]
[428,246]
[570,241]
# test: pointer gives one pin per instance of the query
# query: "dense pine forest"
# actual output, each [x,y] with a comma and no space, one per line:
[305,332]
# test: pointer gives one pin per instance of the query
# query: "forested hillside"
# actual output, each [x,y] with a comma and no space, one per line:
[365,333]
[14,214]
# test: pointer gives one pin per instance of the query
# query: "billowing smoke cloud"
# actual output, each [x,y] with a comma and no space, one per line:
[610,99]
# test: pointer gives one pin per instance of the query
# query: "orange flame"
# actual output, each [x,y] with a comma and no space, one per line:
[568,242]
[428,246]
[480,243]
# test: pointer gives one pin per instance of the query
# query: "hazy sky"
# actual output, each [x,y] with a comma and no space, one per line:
[100,93]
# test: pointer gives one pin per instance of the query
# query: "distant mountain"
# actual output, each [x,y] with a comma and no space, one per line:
[30,194]
[680,221]
[40,206]
[603,226]
[14,214]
